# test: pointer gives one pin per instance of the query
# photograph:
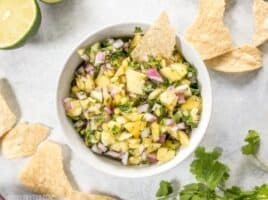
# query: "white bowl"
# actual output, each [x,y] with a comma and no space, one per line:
[110,166]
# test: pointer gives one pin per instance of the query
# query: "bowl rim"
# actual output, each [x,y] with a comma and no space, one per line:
[163,167]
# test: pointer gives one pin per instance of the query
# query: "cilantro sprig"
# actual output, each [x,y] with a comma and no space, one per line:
[211,175]
[251,148]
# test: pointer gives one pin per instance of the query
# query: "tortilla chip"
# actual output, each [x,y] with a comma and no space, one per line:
[23,140]
[241,59]
[260,11]
[7,117]
[83,196]
[208,33]
[159,40]
[44,173]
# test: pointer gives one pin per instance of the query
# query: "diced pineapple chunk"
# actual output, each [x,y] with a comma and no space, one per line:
[135,128]
[107,99]
[124,136]
[85,83]
[184,139]
[135,81]
[134,160]
[75,110]
[154,94]
[172,144]
[102,81]
[146,142]
[96,94]
[155,128]
[120,147]
[107,138]
[85,103]
[153,147]
[165,154]
[121,70]
[174,72]
[134,143]
[191,103]
[133,116]
[136,40]
[169,99]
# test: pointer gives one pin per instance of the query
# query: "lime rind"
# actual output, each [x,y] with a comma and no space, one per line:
[51,1]
[31,31]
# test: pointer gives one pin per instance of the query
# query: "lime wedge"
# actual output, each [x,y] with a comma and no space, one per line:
[51,1]
[19,19]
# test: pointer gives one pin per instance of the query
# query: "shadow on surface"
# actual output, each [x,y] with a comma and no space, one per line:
[7,92]
[57,20]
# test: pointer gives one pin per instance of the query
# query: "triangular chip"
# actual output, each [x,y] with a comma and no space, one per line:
[260,12]
[44,173]
[23,140]
[7,117]
[83,196]
[241,59]
[208,33]
[159,40]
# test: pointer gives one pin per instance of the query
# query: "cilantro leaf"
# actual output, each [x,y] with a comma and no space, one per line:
[197,191]
[164,190]
[258,193]
[253,143]
[207,169]
[261,192]
[138,30]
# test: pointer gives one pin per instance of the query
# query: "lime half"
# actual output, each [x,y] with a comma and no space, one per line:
[19,19]
[51,1]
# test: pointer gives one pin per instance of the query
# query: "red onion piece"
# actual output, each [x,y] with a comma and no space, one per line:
[95,149]
[67,104]
[152,158]
[107,66]
[90,69]
[153,74]
[108,110]
[170,122]
[143,108]
[114,92]
[181,126]
[118,44]
[149,117]
[181,98]
[181,88]
[102,147]
[145,133]
[141,149]
[125,158]
[113,154]
[81,95]
[100,57]
[162,139]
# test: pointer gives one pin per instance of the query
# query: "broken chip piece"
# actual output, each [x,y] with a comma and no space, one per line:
[44,173]
[7,117]
[241,59]
[23,140]
[208,33]
[159,40]
[83,196]
[260,12]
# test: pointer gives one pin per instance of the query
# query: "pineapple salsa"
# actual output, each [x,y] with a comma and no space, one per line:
[134,112]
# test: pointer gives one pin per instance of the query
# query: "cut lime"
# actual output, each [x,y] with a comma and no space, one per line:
[52,1]
[19,19]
